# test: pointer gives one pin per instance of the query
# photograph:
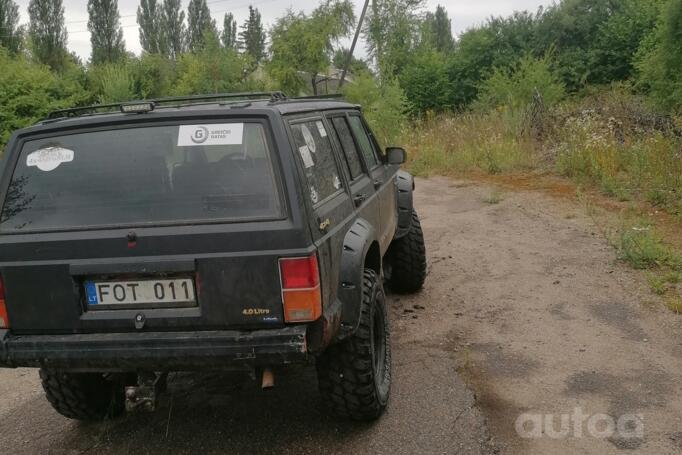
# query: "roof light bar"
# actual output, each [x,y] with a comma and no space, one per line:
[137,108]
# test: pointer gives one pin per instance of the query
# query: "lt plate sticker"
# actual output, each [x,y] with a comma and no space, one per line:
[49,159]
[213,134]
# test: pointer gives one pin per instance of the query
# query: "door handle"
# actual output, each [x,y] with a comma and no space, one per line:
[378,183]
[359,199]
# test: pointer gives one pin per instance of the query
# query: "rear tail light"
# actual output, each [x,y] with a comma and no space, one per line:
[4,320]
[301,289]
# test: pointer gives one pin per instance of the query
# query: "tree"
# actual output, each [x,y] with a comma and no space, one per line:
[356,65]
[498,44]
[612,53]
[213,69]
[304,44]
[47,32]
[660,61]
[106,35]
[392,32]
[199,21]
[173,28]
[571,28]
[29,91]
[437,31]
[253,36]
[10,33]
[426,83]
[149,18]
[229,35]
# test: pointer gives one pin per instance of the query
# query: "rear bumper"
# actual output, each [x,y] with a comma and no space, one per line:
[159,351]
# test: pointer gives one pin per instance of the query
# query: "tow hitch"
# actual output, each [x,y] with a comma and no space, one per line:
[145,394]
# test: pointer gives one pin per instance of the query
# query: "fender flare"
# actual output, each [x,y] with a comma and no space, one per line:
[405,184]
[360,251]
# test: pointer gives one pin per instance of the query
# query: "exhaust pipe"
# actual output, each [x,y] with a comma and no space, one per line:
[268,381]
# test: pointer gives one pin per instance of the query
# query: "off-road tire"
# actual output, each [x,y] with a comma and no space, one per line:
[83,396]
[407,260]
[355,375]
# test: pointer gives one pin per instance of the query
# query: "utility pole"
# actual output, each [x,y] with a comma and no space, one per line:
[352,47]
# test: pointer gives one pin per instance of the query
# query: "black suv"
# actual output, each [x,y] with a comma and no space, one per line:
[243,231]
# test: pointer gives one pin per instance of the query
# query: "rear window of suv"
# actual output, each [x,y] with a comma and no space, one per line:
[137,176]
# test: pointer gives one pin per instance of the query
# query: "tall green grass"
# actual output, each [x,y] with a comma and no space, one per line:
[456,144]
[609,140]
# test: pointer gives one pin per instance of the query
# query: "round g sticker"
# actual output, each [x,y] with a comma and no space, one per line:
[200,135]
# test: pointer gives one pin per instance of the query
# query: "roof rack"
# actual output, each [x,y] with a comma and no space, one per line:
[273,97]
[108,108]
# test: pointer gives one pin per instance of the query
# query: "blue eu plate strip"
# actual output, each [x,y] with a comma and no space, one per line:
[91,293]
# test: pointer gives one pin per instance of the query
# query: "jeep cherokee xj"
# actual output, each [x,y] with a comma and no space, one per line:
[243,231]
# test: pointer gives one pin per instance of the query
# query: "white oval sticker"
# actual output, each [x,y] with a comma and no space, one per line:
[49,159]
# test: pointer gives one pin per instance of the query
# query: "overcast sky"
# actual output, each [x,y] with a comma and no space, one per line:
[464,14]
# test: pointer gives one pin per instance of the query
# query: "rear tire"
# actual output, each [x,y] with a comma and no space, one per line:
[355,375]
[407,260]
[83,396]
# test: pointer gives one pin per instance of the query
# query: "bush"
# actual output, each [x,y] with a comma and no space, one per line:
[213,70]
[660,60]
[639,246]
[112,82]
[522,94]
[426,83]
[384,106]
[516,89]
[612,140]
[154,75]
[29,91]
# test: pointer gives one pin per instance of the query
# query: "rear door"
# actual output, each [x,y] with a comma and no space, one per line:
[326,191]
[382,182]
[359,176]
[91,217]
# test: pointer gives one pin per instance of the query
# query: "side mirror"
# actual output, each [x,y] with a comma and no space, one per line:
[396,155]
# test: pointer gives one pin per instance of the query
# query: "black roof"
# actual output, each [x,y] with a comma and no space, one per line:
[275,101]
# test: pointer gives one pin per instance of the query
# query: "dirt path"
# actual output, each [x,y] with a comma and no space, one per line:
[548,321]
[525,309]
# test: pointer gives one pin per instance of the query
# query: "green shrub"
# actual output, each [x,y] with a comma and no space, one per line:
[29,91]
[660,59]
[522,94]
[639,246]
[426,83]
[384,106]
[112,83]
[516,89]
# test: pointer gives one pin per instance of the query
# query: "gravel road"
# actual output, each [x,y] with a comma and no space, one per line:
[525,311]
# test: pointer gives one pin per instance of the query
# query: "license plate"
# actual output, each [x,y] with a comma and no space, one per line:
[173,291]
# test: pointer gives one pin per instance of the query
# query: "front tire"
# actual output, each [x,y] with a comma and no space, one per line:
[83,396]
[355,375]
[407,260]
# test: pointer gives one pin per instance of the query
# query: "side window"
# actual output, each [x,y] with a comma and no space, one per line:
[364,141]
[348,146]
[315,149]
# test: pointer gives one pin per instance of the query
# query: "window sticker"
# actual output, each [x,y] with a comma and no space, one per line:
[49,159]
[320,128]
[306,156]
[313,195]
[309,139]
[212,134]
[337,182]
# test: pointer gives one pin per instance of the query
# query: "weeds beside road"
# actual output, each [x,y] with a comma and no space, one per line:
[607,145]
